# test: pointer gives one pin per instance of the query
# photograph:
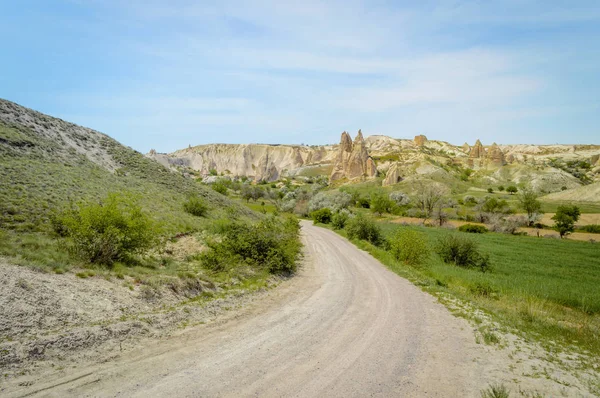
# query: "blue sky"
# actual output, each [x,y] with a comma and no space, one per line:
[166,74]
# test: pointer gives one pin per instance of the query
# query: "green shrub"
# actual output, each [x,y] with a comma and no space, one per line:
[462,251]
[339,220]
[363,202]
[591,228]
[495,391]
[271,243]
[409,246]
[512,189]
[490,190]
[108,231]
[472,228]
[322,216]
[380,203]
[220,188]
[195,206]
[364,228]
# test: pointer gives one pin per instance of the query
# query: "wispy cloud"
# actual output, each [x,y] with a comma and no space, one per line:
[303,71]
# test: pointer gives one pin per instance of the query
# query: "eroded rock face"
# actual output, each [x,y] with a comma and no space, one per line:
[393,175]
[466,148]
[477,151]
[477,155]
[495,156]
[352,160]
[420,140]
[266,170]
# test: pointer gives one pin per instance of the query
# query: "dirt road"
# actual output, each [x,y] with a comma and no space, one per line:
[345,326]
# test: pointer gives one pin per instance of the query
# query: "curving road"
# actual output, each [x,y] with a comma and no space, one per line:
[344,327]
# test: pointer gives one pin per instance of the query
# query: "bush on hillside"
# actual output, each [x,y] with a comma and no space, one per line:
[195,206]
[364,228]
[462,251]
[220,187]
[322,216]
[339,219]
[472,228]
[271,243]
[108,231]
[380,203]
[409,246]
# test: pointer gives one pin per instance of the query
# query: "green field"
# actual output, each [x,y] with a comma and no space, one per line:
[544,287]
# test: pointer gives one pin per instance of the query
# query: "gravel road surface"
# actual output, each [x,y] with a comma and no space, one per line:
[344,327]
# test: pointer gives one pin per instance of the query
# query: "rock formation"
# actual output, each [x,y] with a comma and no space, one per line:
[393,175]
[466,148]
[420,140]
[495,156]
[352,160]
[476,155]
[477,152]
[266,170]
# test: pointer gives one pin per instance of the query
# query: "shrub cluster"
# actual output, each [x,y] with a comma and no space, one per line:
[591,228]
[322,216]
[364,228]
[271,243]
[463,252]
[195,206]
[409,246]
[108,231]
[339,219]
[473,228]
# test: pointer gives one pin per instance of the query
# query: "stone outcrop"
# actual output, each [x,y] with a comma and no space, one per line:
[420,140]
[393,175]
[495,156]
[476,155]
[352,160]
[466,148]
[477,151]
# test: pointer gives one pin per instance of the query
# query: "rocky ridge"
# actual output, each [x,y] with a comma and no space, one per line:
[396,159]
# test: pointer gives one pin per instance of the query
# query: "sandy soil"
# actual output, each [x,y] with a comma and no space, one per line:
[345,326]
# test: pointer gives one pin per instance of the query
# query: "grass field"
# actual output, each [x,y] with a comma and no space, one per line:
[546,288]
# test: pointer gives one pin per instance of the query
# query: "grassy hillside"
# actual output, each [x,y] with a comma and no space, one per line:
[48,166]
[40,173]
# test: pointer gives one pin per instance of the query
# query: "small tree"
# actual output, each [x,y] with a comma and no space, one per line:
[380,203]
[565,219]
[490,190]
[532,206]
[427,197]
[512,190]
[501,188]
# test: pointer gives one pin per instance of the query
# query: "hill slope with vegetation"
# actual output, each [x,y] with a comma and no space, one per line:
[150,243]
